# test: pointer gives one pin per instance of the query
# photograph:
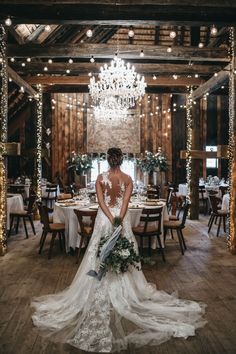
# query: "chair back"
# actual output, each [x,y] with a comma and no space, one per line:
[32,199]
[151,215]
[214,202]
[169,194]
[223,190]
[52,188]
[43,210]
[91,214]
[185,214]
[202,191]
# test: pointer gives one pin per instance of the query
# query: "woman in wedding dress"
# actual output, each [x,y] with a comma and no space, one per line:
[121,309]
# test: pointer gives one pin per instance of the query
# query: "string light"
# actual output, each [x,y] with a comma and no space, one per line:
[92,60]
[231,148]
[47,28]
[3,140]
[89,33]
[39,104]
[131,32]
[200,45]
[28,60]
[214,30]
[8,22]
[189,142]
[70,61]
[169,49]
[49,61]
[141,53]
[172,34]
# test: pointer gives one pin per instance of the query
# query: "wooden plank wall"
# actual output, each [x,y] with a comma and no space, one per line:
[156,126]
[69,124]
[68,127]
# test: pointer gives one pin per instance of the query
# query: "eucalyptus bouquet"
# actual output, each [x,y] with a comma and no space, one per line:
[80,163]
[151,162]
[116,254]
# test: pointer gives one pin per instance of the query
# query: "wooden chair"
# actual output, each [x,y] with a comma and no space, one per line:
[215,214]
[203,199]
[24,214]
[151,227]
[178,226]
[223,190]
[86,228]
[52,228]
[51,196]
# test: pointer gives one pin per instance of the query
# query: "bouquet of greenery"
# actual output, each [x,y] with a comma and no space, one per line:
[80,163]
[116,254]
[150,162]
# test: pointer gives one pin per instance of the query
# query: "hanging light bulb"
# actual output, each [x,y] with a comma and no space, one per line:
[169,49]
[131,32]
[8,21]
[45,68]
[89,33]
[92,60]
[200,45]
[49,61]
[141,53]
[28,60]
[214,30]
[47,28]
[154,77]
[68,71]
[70,61]
[172,34]
[12,60]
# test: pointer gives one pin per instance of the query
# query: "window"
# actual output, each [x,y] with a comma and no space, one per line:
[102,166]
[211,163]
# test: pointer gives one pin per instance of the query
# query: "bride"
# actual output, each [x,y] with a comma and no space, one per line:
[121,309]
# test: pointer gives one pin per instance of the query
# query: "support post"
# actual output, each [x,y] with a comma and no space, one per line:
[3,140]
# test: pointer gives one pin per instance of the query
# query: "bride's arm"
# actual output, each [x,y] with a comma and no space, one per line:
[101,201]
[126,199]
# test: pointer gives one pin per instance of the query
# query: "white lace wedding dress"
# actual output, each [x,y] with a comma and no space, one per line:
[108,315]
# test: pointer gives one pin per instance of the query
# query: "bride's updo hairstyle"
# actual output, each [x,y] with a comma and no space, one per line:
[114,157]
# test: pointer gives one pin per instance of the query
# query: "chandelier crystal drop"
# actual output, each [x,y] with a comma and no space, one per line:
[119,81]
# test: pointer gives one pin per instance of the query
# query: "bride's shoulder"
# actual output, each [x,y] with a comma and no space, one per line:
[126,178]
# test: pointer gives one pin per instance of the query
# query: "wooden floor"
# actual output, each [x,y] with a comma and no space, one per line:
[207,273]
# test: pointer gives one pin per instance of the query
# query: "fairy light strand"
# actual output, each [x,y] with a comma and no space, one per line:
[189,142]
[3,140]
[231,145]
[39,103]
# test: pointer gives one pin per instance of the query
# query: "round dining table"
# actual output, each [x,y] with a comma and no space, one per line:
[64,213]
[15,204]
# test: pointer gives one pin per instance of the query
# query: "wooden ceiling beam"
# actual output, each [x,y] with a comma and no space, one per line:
[20,82]
[212,84]
[84,80]
[126,52]
[94,68]
[145,12]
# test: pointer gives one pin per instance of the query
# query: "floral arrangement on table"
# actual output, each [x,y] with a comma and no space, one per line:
[116,253]
[151,162]
[80,163]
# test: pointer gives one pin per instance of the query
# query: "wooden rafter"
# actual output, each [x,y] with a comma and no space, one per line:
[125,12]
[212,84]
[142,68]
[126,51]
[84,80]
[20,82]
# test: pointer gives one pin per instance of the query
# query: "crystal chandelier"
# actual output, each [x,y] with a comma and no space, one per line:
[118,81]
[110,112]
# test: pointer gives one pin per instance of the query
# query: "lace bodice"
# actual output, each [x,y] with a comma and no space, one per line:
[113,190]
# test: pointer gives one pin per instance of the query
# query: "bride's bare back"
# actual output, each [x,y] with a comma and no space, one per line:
[114,189]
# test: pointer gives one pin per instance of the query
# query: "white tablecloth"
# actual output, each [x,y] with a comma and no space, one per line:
[14,204]
[225,202]
[183,189]
[66,215]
